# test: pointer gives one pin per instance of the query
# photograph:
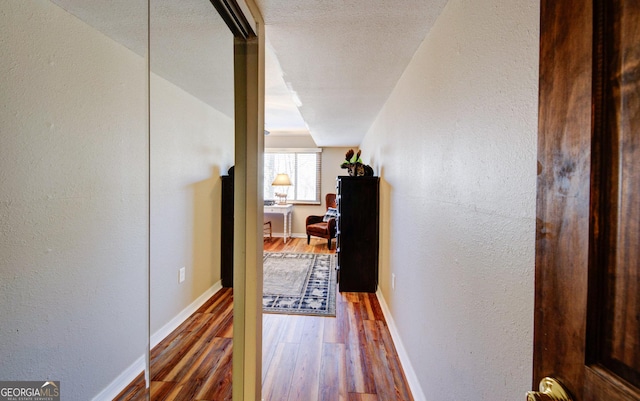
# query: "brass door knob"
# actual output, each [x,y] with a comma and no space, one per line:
[550,390]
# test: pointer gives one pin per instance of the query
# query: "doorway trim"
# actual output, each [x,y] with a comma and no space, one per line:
[248,30]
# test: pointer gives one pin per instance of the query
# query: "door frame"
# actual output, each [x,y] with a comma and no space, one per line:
[245,22]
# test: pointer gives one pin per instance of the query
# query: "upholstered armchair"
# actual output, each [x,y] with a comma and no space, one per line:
[323,226]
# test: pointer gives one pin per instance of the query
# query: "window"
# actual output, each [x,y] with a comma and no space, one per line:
[303,168]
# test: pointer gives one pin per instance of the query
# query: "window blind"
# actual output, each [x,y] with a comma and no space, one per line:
[304,169]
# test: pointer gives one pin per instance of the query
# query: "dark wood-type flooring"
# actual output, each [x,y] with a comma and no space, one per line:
[350,357]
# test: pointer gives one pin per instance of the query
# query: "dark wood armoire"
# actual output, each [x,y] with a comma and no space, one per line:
[226,231]
[357,233]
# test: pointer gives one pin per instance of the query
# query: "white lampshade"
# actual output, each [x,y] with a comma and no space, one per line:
[281,179]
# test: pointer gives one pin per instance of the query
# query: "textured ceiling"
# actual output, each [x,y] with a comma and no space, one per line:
[342,58]
[281,110]
[331,64]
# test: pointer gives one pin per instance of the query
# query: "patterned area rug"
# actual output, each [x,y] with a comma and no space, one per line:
[299,283]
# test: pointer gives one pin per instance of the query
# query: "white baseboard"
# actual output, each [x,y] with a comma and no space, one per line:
[183,315]
[122,381]
[293,235]
[410,374]
[129,374]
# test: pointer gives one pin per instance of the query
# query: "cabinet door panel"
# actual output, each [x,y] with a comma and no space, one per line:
[358,239]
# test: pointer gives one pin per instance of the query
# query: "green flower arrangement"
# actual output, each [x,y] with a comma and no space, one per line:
[355,166]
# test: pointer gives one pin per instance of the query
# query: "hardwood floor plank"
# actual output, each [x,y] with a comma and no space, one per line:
[216,378]
[330,332]
[177,344]
[173,363]
[187,391]
[187,367]
[226,330]
[333,383]
[272,330]
[358,361]
[376,354]
[342,314]
[342,366]
[364,397]
[220,301]
[355,369]
[164,391]
[347,357]
[376,308]
[329,373]
[367,310]
[294,327]
[306,374]
[393,363]
[279,375]
[182,364]
[218,355]
[135,391]
[299,245]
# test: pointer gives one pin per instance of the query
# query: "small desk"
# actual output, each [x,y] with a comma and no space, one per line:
[285,211]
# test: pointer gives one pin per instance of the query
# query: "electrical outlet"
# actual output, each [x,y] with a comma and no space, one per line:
[181,275]
[393,281]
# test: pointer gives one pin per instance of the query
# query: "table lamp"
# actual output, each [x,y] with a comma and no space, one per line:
[281,180]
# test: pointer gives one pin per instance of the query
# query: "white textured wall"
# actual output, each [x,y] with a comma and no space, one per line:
[455,145]
[73,215]
[191,146]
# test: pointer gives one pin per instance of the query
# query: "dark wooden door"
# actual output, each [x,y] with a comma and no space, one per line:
[587,317]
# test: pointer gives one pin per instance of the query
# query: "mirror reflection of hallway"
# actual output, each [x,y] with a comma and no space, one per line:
[191,145]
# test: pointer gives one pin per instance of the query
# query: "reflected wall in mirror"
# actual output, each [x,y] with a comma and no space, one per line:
[89,258]
[192,145]
[73,194]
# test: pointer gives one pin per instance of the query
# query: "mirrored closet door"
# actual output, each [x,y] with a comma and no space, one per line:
[117,121]
[191,147]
